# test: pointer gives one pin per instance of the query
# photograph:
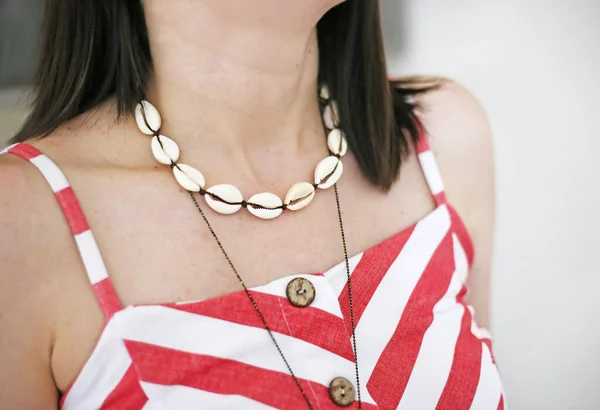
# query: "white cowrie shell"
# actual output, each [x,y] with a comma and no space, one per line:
[189,177]
[324,92]
[331,115]
[299,196]
[267,202]
[328,172]
[337,143]
[228,193]
[147,118]
[164,149]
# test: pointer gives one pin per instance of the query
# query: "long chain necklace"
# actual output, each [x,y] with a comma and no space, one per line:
[227,199]
[262,318]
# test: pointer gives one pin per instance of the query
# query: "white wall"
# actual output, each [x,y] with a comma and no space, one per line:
[535,65]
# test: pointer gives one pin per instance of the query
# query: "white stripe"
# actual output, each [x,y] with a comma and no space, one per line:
[433,365]
[448,302]
[325,299]
[382,315]
[187,398]
[92,259]
[338,277]
[197,334]
[438,346]
[489,388]
[431,171]
[5,150]
[100,375]
[56,179]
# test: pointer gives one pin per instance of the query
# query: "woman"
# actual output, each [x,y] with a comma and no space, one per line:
[155,123]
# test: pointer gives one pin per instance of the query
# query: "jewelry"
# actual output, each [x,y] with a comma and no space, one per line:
[227,199]
[262,318]
[151,125]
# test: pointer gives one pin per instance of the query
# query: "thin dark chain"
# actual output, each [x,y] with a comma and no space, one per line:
[262,318]
[339,211]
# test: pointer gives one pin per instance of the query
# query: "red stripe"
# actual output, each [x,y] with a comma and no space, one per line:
[461,295]
[227,377]
[398,359]
[107,297]
[72,210]
[464,374]
[459,228]
[440,198]
[368,274]
[501,403]
[25,151]
[127,395]
[422,145]
[326,330]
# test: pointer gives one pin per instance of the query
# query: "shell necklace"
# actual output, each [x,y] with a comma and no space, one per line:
[227,199]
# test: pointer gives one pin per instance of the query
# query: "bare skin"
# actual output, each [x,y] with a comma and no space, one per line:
[155,244]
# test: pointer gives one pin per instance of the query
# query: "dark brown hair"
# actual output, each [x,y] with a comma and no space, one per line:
[95,50]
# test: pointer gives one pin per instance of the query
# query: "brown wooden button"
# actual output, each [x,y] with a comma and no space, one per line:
[341,392]
[300,292]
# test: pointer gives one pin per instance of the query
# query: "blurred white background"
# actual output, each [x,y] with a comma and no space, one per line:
[534,64]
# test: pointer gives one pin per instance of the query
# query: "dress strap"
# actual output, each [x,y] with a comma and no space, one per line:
[84,239]
[430,167]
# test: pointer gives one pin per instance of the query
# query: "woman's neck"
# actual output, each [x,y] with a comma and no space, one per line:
[234,85]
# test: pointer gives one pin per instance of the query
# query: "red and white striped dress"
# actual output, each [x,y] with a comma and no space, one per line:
[418,345]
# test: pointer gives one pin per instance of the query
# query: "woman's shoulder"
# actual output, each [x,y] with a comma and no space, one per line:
[31,219]
[447,103]
[450,103]
[459,134]
[19,182]
[26,294]
[20,176]
[34,237]
[456,123]
[26,206]
[460,137]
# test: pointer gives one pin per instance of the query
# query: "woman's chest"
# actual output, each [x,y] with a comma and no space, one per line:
[159,247]
[410,328]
